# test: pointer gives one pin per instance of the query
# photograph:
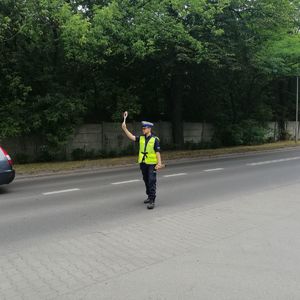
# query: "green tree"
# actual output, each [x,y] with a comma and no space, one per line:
[35,75]
[246,90]
[172,34]
[227,62]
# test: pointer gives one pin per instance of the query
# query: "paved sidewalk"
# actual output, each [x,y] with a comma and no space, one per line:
[246,248]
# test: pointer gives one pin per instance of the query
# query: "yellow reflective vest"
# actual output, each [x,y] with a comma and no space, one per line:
[147,153]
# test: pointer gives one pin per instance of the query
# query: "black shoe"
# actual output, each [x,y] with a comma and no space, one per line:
[147,201]
[151,205]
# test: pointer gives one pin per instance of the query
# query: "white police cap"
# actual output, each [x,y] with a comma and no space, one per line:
[147,124]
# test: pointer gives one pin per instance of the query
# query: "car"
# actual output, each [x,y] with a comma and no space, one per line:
[7,173]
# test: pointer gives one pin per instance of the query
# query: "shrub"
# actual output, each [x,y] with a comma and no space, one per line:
[21,158]
[81,153]
[44,154]
[78,154]
[253,133]
[248,132]
[191,145]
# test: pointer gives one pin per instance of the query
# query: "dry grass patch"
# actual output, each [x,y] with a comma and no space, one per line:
[224,151]
[53,167]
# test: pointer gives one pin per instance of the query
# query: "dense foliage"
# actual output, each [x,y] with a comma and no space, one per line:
[228,62]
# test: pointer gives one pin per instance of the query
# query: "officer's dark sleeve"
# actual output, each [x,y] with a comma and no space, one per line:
[137,139]
[157,145]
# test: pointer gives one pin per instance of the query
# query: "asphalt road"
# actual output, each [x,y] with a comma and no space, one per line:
[51,208]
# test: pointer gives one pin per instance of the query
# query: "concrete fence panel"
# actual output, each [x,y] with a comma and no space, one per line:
[107,137]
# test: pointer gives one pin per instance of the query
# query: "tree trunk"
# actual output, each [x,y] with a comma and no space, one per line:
[177,108]
[281,88]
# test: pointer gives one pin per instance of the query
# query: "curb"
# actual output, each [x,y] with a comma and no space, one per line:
[175,161]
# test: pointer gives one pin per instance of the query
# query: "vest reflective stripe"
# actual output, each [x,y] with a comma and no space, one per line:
[148,153]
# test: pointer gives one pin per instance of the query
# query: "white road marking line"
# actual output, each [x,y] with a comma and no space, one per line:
[273,161]
[174,175]
[128,181]
[62,191]
[212,170]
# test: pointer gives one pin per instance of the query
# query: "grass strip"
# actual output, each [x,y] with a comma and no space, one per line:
[56,167]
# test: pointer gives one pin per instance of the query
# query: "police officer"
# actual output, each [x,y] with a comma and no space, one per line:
[149,158]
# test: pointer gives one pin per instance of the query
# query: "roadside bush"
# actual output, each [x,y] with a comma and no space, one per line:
[190,145]
[130,150]
[21,158]
[248,132]
[78,154]
[229,135]
[285,135]
[45,155]
[112,154]
[253,133]
[81,154]
[167,146]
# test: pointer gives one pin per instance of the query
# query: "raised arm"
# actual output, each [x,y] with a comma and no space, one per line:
[124,127]
[128,133]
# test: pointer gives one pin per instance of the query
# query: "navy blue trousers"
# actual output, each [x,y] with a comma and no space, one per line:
[149,177]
